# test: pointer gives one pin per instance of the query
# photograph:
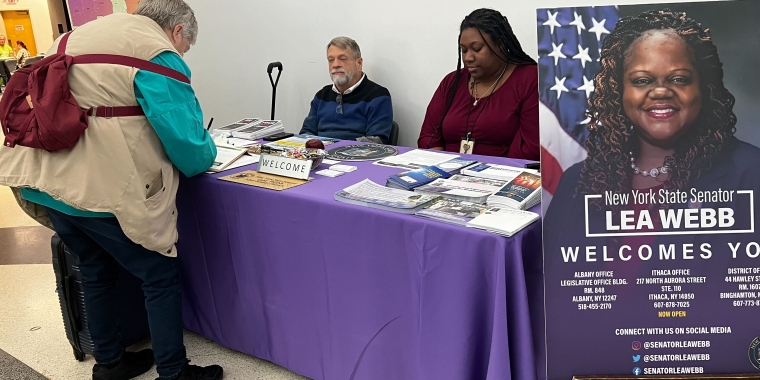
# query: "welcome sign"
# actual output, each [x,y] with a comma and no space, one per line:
[649,137]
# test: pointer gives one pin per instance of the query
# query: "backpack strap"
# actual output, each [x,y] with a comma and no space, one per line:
[123,61]
[109,112]
[141,64]
[63,43]
[132,62]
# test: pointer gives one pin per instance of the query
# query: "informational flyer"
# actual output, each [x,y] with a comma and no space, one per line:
[649,134]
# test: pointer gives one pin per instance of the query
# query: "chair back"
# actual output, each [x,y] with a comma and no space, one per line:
[393,138]
[34,59]
[10,65]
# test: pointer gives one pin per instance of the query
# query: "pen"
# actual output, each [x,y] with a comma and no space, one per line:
[209,124]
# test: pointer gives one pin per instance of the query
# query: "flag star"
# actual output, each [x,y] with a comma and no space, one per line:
[559,86]
[557,53]
[578,23]
[588,86]
[600,55]
[598,28]
[583,56]
[552,21]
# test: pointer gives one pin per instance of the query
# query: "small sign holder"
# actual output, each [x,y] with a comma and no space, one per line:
[284,166]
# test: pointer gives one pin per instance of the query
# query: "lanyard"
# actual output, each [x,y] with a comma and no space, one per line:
[467,131]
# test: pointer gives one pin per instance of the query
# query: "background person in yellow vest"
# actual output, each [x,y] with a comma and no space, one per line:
[6,50]
[111,198]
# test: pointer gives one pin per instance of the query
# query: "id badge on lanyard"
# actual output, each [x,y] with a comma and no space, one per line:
[467,145]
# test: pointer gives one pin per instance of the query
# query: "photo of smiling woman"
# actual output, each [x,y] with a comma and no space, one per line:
[489,107]
[661,122]
[644,231]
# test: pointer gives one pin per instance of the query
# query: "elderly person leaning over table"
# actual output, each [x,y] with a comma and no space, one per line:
[111,197]
[489,107]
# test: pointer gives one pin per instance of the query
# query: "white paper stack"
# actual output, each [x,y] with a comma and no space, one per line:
[259,130]
[227,130]
[494,171]
[505,222]
[464,188]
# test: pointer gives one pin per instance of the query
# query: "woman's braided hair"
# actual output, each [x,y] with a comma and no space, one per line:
[607,167]
[507,48]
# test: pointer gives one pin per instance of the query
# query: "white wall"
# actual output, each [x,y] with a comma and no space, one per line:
[40,17]
[408,47]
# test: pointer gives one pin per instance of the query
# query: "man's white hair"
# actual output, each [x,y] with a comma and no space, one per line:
[170,13]
[346,43]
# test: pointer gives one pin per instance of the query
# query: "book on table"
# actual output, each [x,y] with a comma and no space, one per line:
[415,178]
[494,171]
[259,130]
[452,211]
[240,124]
[504,221]
[225,156]
[468,189]
[370,194]
[521,193]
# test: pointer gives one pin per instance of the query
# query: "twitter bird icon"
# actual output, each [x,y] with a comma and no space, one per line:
[636,358]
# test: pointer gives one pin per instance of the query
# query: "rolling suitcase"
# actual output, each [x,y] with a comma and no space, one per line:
[133,319]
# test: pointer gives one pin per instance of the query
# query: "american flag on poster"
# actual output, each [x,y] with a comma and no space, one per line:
[569,43]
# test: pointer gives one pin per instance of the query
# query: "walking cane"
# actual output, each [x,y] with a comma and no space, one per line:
[271,66]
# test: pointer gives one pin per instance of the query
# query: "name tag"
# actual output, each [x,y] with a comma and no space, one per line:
[284,166]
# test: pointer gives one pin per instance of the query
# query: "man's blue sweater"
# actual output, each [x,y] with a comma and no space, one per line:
[367,111]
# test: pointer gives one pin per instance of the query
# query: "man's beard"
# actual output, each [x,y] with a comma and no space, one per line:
[342,79]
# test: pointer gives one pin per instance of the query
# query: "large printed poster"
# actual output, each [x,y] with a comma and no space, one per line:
[83,11]
[649,134]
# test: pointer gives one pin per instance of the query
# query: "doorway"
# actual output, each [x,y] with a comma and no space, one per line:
[18,26]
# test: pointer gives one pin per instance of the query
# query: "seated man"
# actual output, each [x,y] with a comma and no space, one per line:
[354,107]
[5,48]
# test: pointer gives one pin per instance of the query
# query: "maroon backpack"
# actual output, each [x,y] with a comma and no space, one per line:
[38,111]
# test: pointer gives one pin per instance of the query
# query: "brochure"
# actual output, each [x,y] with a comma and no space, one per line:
[415,178]
[459,189]
[371,194]
[505,222]
[523,192]
[415,159]
[452,211]
[240,124]
[494,171]
[259,130]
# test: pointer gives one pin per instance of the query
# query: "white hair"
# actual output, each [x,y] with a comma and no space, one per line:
[346,43]
[170,13]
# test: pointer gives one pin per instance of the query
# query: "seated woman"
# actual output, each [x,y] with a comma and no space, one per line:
[21,55]
[489,107]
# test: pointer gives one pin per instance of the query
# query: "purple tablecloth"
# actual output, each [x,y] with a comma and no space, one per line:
[337,291]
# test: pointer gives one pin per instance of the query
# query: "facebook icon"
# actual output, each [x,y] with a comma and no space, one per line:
[636,371]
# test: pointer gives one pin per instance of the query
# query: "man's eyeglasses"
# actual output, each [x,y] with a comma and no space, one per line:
[339,108]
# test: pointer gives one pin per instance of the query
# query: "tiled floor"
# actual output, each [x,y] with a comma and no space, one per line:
[31,326]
